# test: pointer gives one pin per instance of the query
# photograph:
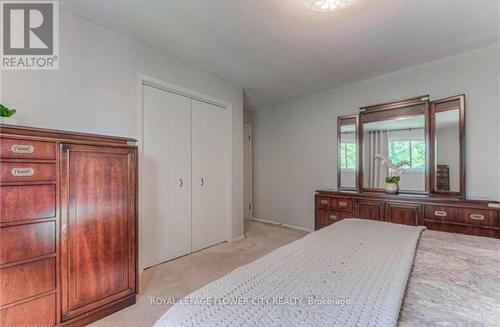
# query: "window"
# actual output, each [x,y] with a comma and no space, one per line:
[348,155]
[412,151]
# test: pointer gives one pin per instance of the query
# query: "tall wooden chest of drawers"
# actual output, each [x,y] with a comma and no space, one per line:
[68,226]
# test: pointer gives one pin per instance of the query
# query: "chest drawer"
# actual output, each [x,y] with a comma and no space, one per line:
[328,217]
[24,202]
[37,312]
[26,149]
[462,215]
[334,203]
[26,280]
[27,241]
[460,229]
[27,172]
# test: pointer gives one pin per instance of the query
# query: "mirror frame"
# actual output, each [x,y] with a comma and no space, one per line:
[430,109]
[350,119]
[386,108]
[446,104]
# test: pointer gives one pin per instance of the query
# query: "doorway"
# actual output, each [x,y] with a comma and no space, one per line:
[247,168]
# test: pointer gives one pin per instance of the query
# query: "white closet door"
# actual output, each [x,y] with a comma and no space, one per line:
[166,176]
[209,133]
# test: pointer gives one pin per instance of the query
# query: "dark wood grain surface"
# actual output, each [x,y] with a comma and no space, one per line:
[99,273]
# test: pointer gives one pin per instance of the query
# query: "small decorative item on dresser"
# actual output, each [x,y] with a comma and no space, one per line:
[7,115]
[394,173]
[392,184]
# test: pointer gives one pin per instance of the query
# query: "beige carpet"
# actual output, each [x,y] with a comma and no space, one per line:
[179,277]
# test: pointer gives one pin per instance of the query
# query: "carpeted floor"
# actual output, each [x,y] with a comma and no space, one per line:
[179,277]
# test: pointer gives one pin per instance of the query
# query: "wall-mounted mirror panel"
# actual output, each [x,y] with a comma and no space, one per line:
[347,142]
[394,143]
[447,177]
[425,139]
[448,171]
[399,139]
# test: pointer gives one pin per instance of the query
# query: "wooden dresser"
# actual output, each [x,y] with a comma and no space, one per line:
[68,226]
[446,214]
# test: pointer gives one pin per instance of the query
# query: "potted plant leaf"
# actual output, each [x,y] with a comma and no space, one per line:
[7,115]
[395,171]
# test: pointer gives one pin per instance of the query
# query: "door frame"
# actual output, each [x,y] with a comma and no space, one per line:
[251,159]
[146,80]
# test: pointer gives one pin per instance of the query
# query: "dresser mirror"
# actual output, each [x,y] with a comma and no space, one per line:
[424,138]
[347,146]
[395,133]
[447,140]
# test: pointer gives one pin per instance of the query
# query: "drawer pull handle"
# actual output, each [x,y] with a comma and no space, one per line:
[477,217]
[333,217]
[343,203]
[324,202]
[440,213]
[21,148]
[22,172]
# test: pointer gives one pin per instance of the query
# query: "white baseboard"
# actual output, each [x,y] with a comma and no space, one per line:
[281,224]
[238,238]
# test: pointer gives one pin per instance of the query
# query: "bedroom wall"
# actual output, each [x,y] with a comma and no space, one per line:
[94,89]
[295,143]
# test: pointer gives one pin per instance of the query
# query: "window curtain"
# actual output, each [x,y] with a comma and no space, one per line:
[378,142]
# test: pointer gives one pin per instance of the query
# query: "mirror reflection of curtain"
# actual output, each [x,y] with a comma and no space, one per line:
[378,142]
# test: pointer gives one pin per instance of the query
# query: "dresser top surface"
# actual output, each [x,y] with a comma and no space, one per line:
[15,130]
[409,197]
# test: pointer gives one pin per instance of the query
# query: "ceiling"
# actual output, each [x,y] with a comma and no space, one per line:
[279,50]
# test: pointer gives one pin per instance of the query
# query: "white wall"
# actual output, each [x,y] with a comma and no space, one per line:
[295,143]
[94,89]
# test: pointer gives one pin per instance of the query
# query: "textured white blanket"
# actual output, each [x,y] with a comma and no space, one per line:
[353,273]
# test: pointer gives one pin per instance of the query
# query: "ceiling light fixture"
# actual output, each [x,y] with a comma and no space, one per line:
[329,5]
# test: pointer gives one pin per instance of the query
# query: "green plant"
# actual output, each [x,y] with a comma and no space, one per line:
[6,112]
[392,179]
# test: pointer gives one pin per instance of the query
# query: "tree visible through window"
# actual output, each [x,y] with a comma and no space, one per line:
[412,151]
[347,155]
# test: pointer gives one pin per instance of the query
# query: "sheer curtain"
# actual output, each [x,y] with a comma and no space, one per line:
[377,142]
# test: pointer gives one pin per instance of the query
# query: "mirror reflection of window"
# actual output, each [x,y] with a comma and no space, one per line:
[399,139]
[348,156]
[447,151]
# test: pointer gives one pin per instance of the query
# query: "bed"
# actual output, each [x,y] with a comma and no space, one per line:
[356,273]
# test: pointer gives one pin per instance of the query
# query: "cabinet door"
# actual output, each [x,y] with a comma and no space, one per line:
[98,226]
[210,173]
[370,209]
[166,176]
[403,213]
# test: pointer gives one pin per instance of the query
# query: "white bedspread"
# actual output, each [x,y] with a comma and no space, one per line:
[353,273]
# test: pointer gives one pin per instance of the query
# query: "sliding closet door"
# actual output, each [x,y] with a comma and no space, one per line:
[166,176]
[209,133]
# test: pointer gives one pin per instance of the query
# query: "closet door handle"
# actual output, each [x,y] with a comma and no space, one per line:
[202,181]
[180,182]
